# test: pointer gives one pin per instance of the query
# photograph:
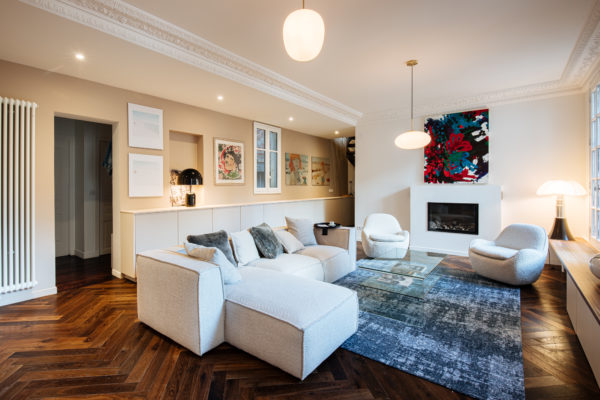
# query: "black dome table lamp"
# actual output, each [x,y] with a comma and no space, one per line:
[189,177]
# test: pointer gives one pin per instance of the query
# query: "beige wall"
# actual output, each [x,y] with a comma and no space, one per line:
[59,95]
[530,142]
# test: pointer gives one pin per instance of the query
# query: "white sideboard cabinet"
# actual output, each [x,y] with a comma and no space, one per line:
[143,230]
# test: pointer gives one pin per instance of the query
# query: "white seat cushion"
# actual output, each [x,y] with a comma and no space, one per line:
[388,237]
[492,251]
[335,261]
[290,322]
[293,264]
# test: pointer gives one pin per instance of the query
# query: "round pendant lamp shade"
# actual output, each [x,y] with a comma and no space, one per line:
[303,34]
[412,140]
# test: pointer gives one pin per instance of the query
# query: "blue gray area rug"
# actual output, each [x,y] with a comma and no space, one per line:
[464,335]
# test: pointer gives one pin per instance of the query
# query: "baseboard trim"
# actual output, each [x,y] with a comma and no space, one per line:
[85,255]
[117,274]
[443,251]
[24,295]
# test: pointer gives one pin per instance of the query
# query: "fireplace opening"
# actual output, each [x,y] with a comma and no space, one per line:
[453,218]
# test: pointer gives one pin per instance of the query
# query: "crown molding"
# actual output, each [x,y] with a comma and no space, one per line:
[524,93]
[586,52]
[136,26]
[582,71]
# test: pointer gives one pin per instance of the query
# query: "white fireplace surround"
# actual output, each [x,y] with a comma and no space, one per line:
[487,196]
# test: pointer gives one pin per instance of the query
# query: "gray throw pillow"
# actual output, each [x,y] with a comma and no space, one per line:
[218,239]
[303,229]
[267,243]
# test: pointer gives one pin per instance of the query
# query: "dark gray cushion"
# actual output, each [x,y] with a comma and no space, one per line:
[266,242]
[218,239]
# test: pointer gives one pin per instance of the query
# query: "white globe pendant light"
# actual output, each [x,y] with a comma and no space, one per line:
[303,34]
[412,139]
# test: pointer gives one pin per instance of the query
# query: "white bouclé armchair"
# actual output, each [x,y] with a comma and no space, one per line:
[382,234]
[516,257]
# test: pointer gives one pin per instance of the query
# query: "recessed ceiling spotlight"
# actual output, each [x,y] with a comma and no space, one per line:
[291,118]
[220,98]
[79,56]
[337,132]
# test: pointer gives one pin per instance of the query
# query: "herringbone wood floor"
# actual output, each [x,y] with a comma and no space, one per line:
[87,343]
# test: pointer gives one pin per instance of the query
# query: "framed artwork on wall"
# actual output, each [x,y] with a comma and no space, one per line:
[229,162]
[320,168]
[145,175]
[145,127]
[296,169]
[178,192]
[459,148]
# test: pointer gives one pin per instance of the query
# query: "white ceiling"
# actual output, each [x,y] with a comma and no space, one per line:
[467,49]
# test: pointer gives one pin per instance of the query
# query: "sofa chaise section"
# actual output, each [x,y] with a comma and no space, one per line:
[291,322]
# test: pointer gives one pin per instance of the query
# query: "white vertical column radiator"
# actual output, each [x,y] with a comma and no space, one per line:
[17,172]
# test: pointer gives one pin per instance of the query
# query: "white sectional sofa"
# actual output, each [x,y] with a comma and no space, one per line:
[283,311]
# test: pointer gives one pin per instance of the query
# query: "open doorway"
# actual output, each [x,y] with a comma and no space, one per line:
[83,202]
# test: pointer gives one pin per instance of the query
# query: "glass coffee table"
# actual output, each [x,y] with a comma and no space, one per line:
[406,272]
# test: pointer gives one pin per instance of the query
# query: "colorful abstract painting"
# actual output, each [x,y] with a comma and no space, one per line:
[459,148]
[296,169]
[320,171]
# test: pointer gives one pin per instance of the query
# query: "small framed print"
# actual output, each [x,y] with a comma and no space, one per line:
[145,127]
[229,162]
[145,175]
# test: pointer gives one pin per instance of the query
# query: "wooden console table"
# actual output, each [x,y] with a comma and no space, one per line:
[583,296]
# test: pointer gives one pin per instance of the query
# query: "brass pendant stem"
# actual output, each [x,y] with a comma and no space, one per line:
[411,64]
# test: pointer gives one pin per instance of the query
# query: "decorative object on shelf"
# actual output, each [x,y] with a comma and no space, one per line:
[560,189]
[350,149]
[189,177]
[320,167]
[412,139]
[303,34]
[177,192]
[459,148]
[325,226]
[595,265]
[145,127]
[296,169]
[229,162]
[145,175]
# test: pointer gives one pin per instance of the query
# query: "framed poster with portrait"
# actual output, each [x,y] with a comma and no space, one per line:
[229,162]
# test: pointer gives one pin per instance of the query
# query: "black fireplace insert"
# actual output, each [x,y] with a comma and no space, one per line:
[453,218]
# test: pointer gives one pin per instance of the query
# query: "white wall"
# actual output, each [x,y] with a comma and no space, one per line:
[530,142]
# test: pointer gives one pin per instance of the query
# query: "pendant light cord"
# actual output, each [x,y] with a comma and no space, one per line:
[411,96]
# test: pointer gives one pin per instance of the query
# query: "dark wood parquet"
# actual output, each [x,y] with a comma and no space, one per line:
[88,343]
[74,272]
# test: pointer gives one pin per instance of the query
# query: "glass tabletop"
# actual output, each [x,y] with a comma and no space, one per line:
[412,263]
[401,271]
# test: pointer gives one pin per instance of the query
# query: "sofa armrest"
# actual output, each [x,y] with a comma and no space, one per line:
[344,237]
[182,298]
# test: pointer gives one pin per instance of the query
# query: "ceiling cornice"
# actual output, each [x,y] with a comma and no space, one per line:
[531,92]
[586,52]
[581,71]
[134,25]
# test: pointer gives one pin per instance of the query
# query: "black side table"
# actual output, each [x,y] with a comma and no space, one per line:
[325,226]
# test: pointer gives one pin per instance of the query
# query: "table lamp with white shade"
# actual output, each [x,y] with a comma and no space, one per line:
[560,189]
